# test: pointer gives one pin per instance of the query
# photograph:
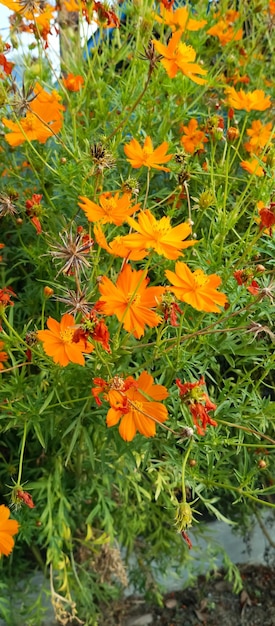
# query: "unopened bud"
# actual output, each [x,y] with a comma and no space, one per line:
[48,292]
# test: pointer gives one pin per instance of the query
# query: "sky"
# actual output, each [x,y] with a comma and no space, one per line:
[52,51]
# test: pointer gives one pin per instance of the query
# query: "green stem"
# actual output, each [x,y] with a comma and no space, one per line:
[184,462]
[23,443]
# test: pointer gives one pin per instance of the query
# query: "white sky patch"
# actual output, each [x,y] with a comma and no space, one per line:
[26,39]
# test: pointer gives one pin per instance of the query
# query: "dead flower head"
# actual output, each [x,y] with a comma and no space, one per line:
[75,301]
[102,158]
[7,206]
[72,252]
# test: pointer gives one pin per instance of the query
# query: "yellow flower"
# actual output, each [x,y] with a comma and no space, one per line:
[146,155]
[260,135]
[196,288]
[177,56]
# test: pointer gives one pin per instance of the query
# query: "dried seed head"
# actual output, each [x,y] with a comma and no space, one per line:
[6,204]
[72,252]
[102,158]
[76,302]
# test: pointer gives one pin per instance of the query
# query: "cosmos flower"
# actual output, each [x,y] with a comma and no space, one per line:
[247,101]
[62,343]
[131,300]
[8,528]
[146,155]
[158,235]
[136,404]
[196,288]
[178,56]
[112,209]
[193,138]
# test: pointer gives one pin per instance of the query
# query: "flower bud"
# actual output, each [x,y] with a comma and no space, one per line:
[48,292]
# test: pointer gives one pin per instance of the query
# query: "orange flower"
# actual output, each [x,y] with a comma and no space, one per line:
[178,56]
[44,119]
[178,19]
[225,32]
[193,138]
[158,235]
[131,300]
[250,101]
[196,288]
[3,356]
[138,408]
[72,82]
[146,155]
[112,210]
[117,247]
[260,135]
[252,167]
[60,343]
[8,528]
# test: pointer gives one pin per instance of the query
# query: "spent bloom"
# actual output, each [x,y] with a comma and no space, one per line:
[61,341]
[8,528]
[198,403]
[196,288]
[112,208]
[146,155]
[136,404]
[247,101]
[178,56]
[131,300]
[158,235]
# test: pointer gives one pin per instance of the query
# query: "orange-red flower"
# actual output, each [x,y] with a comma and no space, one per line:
[146,155]
[196,288]
[62,342]
[247,101]
[177,56]
[193,138]
[158,235]
[43,119]
[3,356]
[138,407]
[253,167]
[259,136]
[112,209]
[131,300]
[199,404]
[73,82]
[8,528]
[179,19]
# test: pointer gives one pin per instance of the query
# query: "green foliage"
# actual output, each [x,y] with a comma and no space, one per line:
[93,491]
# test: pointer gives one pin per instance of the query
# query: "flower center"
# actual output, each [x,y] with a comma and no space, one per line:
[109,205]
[67,335]
[137,406]
[200,278]
[133,299]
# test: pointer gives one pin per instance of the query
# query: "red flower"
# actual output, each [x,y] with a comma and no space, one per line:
[26,498]
[199,404]
[5,297]
[267,215]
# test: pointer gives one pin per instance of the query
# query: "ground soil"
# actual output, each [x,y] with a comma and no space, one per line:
[209,603]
